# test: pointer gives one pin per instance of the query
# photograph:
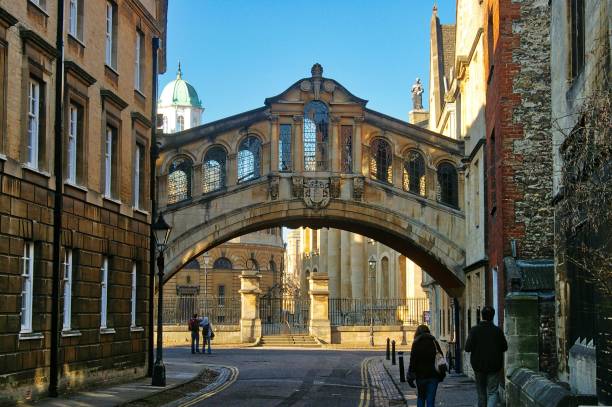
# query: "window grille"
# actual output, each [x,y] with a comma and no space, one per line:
[249,159]
[316,124]
[414,174]
[213,176]
[346,152]
[447,184]
[222,263]
[381,160]
[284,148]
[67,290]
[27,276]
[179,180]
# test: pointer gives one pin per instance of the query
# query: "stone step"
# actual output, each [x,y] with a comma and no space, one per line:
[299,340]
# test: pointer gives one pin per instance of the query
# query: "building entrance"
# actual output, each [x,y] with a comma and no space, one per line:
[284,315]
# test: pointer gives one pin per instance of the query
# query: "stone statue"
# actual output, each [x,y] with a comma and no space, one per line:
[417,95]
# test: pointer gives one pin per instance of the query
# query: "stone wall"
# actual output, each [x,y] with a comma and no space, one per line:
[179,335]
[359,336]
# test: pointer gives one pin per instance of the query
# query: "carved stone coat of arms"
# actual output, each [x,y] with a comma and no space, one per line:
[316,193]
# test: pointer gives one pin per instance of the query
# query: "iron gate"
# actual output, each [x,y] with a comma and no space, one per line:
[284,315]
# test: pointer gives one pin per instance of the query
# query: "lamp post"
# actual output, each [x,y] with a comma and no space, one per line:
[206,260]
[372,270]
[161,231]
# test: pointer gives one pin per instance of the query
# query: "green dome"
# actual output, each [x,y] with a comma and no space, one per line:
[179,93]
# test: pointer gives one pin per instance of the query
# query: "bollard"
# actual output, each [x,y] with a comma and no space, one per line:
[388,349]
[393,352]
[400,356]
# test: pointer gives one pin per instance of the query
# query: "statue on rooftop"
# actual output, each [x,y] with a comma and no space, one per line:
[417,95]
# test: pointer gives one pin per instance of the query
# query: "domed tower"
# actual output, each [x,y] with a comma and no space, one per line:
[180,105]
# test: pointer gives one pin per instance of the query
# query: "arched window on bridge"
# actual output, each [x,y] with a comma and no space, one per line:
[414,173]
[249,159]
[222,263]
[316,140]
[381,160]
[213,169]
[179,180]
[448,187]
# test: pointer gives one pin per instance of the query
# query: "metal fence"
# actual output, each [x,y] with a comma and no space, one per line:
[281,315]
[220,310]
[363,312]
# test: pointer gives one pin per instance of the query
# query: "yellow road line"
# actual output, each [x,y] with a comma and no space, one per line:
[364,398]
[233,377]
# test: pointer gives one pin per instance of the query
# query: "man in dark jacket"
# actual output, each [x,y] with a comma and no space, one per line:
[487,344]
[194,328]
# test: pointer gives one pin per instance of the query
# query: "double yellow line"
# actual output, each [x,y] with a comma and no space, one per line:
[232,378]
[364,397]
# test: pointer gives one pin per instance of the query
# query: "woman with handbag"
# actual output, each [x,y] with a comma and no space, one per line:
[427,366]
[207,333]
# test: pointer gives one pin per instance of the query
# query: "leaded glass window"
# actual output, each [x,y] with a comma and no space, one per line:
[316,124]
[284,148]
[381,160]
[179,180]
[213,170]
[346,149]
[448,184]
[249,159]
[222,263]
[414,174]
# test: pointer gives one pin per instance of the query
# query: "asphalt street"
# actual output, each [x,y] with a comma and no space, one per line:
[288,377]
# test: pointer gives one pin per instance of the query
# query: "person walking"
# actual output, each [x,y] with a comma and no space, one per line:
[207,334]
[422,367]
[487,344]
[194,328]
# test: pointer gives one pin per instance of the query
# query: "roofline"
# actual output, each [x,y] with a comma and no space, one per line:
[277,98]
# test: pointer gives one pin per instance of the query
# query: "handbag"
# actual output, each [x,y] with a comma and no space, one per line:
[440,363]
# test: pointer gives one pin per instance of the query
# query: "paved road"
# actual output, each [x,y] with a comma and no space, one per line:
[292,377]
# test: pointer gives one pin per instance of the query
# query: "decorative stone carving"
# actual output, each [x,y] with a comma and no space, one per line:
[316,193]
[273,184]
[298,118]
[358,188]
[273,117]
[329,86]
[305,85]
[297,187]
[334,187]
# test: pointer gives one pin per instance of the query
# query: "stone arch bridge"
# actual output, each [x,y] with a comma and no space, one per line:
[316,156]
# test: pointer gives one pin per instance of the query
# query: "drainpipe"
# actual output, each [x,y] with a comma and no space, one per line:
[57,201]
[154,153]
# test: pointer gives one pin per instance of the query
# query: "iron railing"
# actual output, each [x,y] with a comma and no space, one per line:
[363,312]
[220,310]
[282,315]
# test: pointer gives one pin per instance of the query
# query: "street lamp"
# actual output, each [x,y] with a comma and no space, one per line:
[161,231]
[372,271]
[206,261]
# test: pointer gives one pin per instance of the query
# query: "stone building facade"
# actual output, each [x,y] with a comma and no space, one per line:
[104,287]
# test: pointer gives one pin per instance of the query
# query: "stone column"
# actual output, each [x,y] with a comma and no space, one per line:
[196,180]
[357,164]
[345,264]
[334,152]
[319,325]
[521,327]
[273,143]
[401,284]
[232,170]
[357,265]
[323,236]
[333,262]
[250,324]
[298,144]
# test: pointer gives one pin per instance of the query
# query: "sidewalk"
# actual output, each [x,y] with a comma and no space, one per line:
[456,390]
[180,369]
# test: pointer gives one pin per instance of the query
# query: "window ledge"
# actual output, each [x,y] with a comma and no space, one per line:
[110,68]
[38,8]
[141,211]
[107,331]
[36,170]
[136,329]
[140,93]
[70,333]
[3,157]
[76,39]
[76,186]
[30,336]
[113,200]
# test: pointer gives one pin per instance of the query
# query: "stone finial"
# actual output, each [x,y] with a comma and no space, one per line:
[179,72]
[317,71]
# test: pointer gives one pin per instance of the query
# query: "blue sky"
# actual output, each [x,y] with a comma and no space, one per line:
[238,52]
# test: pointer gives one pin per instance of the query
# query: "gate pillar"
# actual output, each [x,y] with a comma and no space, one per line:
[250,324]
[319,325]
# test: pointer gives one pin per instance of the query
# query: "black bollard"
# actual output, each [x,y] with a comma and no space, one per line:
[400,355]
[393,352]
[388,348]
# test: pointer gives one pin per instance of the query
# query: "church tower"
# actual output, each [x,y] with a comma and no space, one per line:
[179,105]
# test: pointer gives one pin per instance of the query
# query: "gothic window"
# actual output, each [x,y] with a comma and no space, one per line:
[448,184]
[381,160]
[346,152]
[414,173]
[222,263]
[577,35]
[179,180]
[180,123]
[284,148]
[249,159]
[316,123]
[213,170]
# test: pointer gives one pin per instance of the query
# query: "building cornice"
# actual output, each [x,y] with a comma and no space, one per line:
[30,37]
[76,70]
[139,117]
[7,19]
[109,95]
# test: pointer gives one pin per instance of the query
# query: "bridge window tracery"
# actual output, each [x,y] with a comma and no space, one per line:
[249,159]
[179,180]
[213,169]
[448,184]
[346,153]
[381,160]
[316,140]
[414,174]
[284,148]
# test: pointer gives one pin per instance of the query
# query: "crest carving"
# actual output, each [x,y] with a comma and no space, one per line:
[316,193]
[297,187]
[358,188]
[273,183]
[334,187]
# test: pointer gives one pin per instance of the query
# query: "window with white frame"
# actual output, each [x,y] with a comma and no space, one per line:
[34,94]
[139,174]
[27,275]
[111,35]
[73,130]
[110,161]
[67,290]
[104,293]
[138,60]
[133,297]
[75,19]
